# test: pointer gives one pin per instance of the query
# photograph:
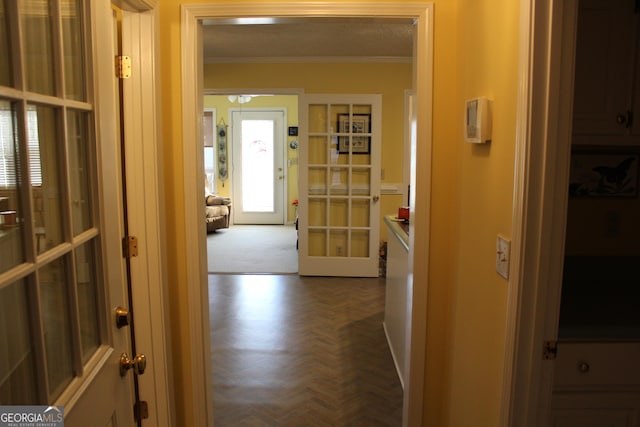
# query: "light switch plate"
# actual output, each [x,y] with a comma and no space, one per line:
[503,249]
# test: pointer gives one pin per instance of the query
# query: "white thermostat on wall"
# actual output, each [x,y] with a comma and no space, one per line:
[477,121]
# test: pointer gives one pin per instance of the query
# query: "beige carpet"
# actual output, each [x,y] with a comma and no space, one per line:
[253,249]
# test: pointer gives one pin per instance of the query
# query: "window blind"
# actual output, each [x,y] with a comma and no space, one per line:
[9,157]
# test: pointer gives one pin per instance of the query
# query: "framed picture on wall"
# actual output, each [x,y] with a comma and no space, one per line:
[603,175]
[359,124]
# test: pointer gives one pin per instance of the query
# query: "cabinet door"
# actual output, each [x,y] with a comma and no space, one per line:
[605,54]
[596,384]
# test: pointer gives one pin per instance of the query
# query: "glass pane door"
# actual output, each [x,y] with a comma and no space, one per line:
[50,240]
[258,167]
[340,171]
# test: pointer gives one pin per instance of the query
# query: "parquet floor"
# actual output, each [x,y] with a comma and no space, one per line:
[301,351]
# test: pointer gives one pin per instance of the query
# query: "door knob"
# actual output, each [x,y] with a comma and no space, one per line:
[138,364]
[376,198]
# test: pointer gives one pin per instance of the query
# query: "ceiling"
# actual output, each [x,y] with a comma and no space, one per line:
[307,39]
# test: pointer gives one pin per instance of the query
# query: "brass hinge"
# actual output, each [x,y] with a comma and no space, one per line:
[549,350]
[130,246]
[141,410]
[123,67]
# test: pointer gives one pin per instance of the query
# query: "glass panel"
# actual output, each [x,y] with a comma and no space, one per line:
[35,18]
[6,76]
[362,109]
[87,286]
[339,212]
[11,226]
[56,326]
[317,212]
[318,122]
[341,158]
[317,243]
[318,180]
[78,142]
[339,180]
[73,45]
[361,159]
[317,150]
[360,244]
[360,212]
[336,111]
[258,166]
[17,379]
[45,180]
[360,181]
[338,243]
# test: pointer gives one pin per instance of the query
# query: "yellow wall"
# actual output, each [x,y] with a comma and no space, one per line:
[487,55]
[475,54]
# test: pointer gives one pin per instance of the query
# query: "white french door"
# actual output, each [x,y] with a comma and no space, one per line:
[61,270]
[258,166]
[339,185]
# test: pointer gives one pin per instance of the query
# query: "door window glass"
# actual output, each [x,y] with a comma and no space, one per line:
[87,291]
[35,24]
[56,326]
[5,50]
[17,378]
[79,143]
[44,133]
[257,165]
[73,49]
[11,224]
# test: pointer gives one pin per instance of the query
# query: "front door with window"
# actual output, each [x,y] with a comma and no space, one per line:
[339,222]
[258,167]
[61,271]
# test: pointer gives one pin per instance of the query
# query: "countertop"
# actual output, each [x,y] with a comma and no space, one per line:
[399,228]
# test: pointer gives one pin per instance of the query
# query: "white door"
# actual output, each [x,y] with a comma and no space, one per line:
[61,270]
[339,185]
[258,167]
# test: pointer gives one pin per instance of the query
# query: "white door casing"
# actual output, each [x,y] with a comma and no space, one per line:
[271,209]
[547,49]
[145,206]
[339,185]
[195,242]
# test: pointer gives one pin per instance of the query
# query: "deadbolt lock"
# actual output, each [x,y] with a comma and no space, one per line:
[122,317]
[138,364]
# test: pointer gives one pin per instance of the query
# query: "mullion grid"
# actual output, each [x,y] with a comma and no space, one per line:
[20,98]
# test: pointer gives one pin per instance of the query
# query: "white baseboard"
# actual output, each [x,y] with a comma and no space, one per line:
[393,355]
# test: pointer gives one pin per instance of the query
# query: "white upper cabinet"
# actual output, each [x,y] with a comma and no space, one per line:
[607,89]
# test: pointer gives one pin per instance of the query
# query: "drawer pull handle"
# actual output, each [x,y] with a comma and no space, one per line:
[583,367]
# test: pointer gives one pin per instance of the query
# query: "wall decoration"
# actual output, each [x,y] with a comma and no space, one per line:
[603,175]
[360,124]
[221,144]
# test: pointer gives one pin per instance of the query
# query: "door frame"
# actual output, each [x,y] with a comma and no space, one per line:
[544,117]
[283,157]
[195,244]
[144,204]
